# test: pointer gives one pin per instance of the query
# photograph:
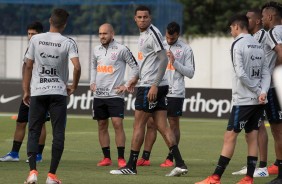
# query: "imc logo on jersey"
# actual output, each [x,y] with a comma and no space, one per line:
[48,70]
[170,66]
[105,69]
[178,53]
[44,55]
[255,57]
[114,56]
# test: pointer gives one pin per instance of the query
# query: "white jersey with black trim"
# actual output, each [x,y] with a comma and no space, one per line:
[51,53]
[251,76]
[260,36]
[183,66]
[150,42]
[274,37]
[108,68]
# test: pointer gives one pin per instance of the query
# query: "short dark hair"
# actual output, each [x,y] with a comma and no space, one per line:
[239,19]
[59,17]
[172,28]
[256,11]
[143,8]
[275,6]
[37,26]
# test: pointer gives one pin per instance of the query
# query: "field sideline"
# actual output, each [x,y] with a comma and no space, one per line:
[201,142]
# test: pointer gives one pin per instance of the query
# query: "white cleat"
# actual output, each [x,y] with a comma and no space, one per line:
[52,179]
[243,171]
[178,171]
[123,171]
[10,158]
[261,172]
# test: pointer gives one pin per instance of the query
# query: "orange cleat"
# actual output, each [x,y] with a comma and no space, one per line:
[52,179]
[246,180]
[167,163]
[121,162]
[143,162]
[105,162]
[32,177]
[273,169]
[213,179]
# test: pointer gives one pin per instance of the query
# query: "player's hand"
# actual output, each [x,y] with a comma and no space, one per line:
[120,89]
[93,87]
[26,98]
[131,84]
[170,56]
[70,89]
[152,94]
[262,98]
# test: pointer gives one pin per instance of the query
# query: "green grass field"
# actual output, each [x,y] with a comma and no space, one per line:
[201,142]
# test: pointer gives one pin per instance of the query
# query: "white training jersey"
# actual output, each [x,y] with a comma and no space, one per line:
[274,37]
[50,53]
[150,42]
[251,76]
[183,66]
[260,36]
[108,68]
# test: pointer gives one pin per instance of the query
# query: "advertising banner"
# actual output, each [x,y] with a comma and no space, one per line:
[199,102]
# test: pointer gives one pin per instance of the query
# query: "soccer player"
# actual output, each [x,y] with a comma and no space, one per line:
[255,28]
[107,75]
[271,21]
[181,64]
[251,80]
[45,89]
[277,75]
[151,93]
[13,156]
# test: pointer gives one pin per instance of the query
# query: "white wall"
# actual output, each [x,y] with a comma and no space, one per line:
[212,58]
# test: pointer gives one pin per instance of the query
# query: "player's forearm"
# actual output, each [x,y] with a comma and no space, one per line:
[187,71]
[26,78]
[162,67]
[76,76]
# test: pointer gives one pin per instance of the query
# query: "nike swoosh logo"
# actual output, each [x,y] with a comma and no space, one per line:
[6,100]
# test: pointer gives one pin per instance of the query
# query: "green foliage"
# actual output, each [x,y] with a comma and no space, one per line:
[209,17]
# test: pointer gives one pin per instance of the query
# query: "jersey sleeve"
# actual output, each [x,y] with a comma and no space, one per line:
[157,40]
[273,38]
[31,50]
[73,49]
[93,69]
[188,67]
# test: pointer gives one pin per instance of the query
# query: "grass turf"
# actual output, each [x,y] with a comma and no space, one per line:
[200,145]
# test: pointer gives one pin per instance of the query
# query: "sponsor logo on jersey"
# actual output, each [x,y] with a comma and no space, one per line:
[105,69]
[141,42]
[49,80]
[170,66]
[44,55]
[48,70]
[255,57]
[102,91]
[255,72]
[140,56]
[255,46]
[49,44]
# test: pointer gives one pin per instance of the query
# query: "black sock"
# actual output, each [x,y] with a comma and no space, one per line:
[146,155]
[221,165]
[262,164]
[279,162]
[56,157]
[132,159]
[170,156]
[32,160]
[276,162]
[177,156]
[120,152]
[16,146]
[251,165]
[106,152]
[40,148]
